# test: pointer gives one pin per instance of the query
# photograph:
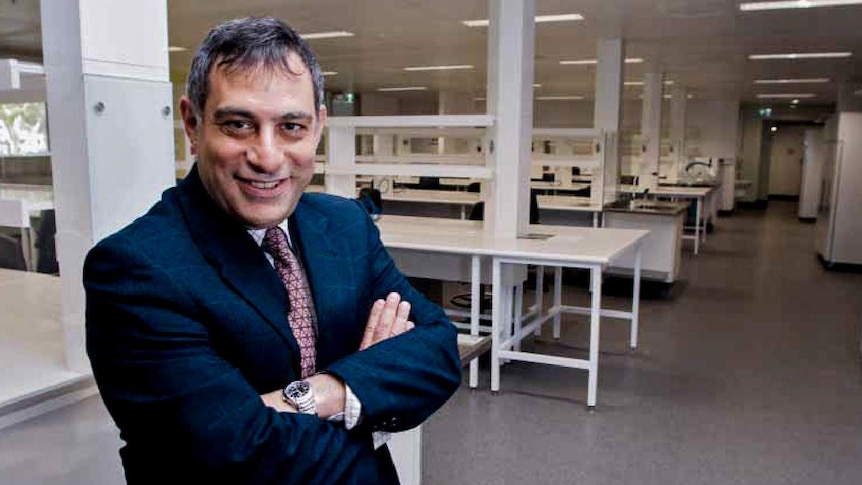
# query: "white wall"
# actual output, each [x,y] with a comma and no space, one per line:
[378,104]
[713,128]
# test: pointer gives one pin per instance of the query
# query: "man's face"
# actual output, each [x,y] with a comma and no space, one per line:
[255,140]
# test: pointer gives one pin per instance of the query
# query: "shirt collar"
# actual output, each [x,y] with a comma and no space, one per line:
[258,234]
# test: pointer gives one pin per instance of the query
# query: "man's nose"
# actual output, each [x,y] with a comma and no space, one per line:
[267,154]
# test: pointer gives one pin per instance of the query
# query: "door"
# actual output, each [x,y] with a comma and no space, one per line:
[785,165]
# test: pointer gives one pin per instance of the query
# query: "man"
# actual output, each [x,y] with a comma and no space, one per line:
[242,331]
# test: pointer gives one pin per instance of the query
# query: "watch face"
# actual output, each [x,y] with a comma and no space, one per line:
[297,390]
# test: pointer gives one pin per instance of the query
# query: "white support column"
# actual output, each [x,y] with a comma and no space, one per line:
[510,100]
[678,101]
[651,130]
[111,130]
[608,109]
[341,151]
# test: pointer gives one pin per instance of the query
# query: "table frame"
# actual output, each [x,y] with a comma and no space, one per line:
[507,333]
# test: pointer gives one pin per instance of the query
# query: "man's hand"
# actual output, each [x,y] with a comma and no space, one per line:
[388,319]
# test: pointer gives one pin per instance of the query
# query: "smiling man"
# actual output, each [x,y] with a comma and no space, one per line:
[242,331]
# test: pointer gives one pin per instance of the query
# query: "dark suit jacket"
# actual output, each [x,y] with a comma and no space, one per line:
[186,327]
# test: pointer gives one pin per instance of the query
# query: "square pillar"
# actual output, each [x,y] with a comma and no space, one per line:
[111,130]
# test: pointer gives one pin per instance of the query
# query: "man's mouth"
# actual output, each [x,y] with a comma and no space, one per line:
[262,184]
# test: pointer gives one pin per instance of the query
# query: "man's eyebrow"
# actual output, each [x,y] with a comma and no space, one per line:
[296,115]
[227,112]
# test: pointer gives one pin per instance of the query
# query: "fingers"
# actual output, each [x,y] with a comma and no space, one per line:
[401,316]
[387,319]
[373,321]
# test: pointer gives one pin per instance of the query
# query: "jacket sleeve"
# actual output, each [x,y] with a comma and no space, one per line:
[170,392]
[403,380]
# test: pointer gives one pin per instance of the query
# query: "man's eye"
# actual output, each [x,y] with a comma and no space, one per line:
[292,127]
[237,125]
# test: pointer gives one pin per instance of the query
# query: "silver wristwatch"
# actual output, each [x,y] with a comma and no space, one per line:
[301,396]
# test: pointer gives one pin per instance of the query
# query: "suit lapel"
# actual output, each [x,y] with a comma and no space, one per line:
[227,245]
[330,275]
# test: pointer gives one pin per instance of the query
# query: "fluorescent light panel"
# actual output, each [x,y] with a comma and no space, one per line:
[813,80]
[559,98]
[439,68]
[641,83]
[801,55]
[584,62]
[326,35]
[566,17]
[405,88]
[329,73]
[785,95]
[174,48]
[788,4]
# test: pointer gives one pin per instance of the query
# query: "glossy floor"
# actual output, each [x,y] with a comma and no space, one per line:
[750,375]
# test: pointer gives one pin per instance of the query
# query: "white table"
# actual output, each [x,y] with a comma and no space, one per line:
[704,206]
[558,186]
[459,198]
[570,203]
[588,248]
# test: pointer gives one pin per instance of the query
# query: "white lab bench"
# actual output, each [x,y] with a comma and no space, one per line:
[705,208]
[412,240]
[454,249]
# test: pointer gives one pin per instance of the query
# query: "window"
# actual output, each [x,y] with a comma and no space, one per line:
[23,129]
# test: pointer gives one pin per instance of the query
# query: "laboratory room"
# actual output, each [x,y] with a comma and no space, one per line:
[624,235]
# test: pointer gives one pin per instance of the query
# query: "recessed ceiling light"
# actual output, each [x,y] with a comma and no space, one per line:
[785,4]
[405,88]
[174,48]
[812,80]
[670,96]
[584,62]
[568,17]
[559,98]
[326,35]
[773,129]
[785,95]
[793,106]
[439,68]
[795,101]
[801,55]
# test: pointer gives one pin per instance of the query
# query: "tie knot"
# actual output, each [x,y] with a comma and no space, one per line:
[275,243]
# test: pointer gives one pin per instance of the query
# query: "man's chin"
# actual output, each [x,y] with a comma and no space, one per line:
[265,217]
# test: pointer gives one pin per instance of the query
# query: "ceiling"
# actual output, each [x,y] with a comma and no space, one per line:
[702,44]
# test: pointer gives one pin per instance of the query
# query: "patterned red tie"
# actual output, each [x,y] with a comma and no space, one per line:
[300,314]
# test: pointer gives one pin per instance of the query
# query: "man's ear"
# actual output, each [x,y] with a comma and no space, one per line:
[191,123]
[321,122]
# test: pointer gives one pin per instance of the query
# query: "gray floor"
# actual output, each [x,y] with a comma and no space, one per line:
[750,375]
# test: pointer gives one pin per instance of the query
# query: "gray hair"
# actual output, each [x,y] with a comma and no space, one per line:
[249,43]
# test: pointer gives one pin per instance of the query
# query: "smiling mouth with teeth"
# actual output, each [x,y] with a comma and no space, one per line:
[263,185]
